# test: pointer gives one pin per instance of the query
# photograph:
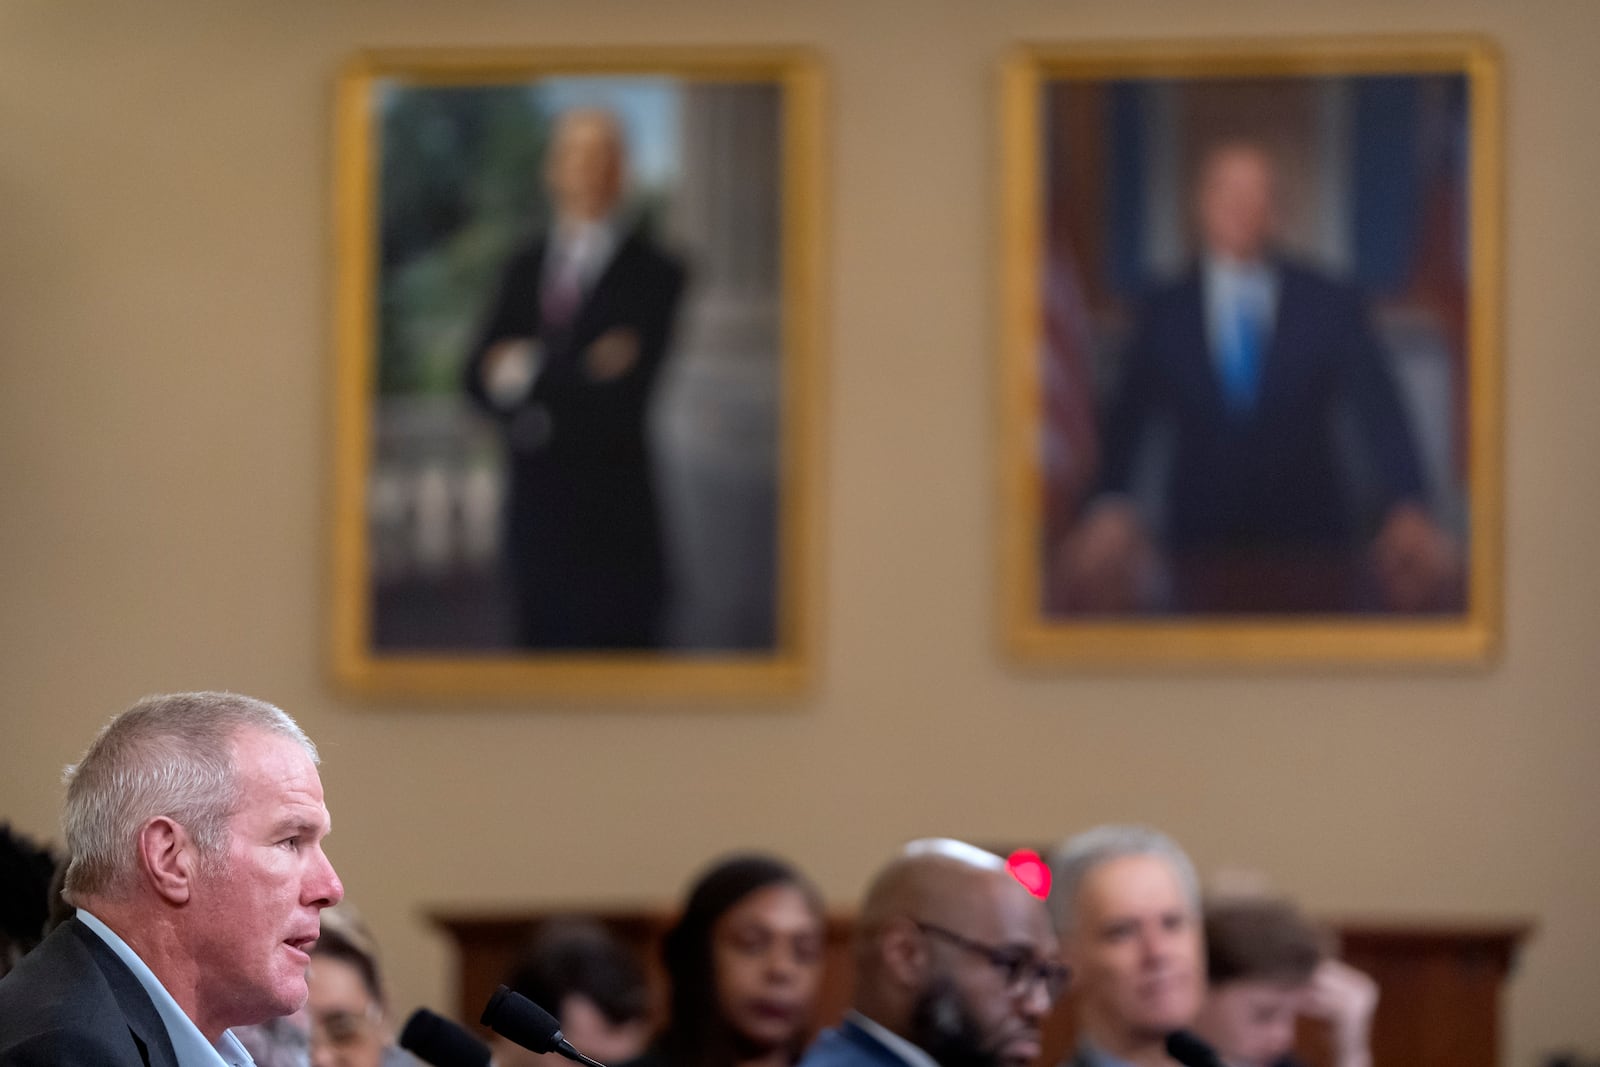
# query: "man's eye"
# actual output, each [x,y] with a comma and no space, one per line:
[291,843]
[1014,964]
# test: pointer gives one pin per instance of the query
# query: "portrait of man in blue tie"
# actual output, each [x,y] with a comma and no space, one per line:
[1249,386]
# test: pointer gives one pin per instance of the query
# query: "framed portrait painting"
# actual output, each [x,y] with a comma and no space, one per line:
[577,308]
[1251,373]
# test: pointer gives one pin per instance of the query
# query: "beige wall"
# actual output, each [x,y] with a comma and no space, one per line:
[164,393]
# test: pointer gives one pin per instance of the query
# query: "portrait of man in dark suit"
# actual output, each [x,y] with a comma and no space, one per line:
[1254,445]
[574,379]
[567,364]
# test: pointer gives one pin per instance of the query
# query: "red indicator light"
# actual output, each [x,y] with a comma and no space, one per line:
[1033,872]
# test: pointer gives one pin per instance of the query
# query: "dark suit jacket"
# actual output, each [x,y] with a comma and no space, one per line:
[848,1045]
[1276,477]
[583,533]
[72,1001]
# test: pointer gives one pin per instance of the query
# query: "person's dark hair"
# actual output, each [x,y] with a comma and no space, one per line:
[26,870]
[696,1032]
[1261,940]
[580,956]
[344,937]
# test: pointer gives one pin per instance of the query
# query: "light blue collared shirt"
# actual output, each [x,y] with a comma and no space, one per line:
[911,1054]
[1098,1057]
[190,1045]
[581,250]
[1230,285]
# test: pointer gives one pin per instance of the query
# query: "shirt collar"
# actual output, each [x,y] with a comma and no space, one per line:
[590,239]
[1096,1056]
[188,1043]
[911,1054]
[1227,285]
[1221,270]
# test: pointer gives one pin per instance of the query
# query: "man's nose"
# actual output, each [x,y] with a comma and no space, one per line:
[1035,1002]
[1153,943]
[324,887]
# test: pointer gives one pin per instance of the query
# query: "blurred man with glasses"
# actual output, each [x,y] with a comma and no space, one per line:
[956,966]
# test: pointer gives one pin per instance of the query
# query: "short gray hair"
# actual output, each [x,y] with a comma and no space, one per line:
[1073,859]
[169,755]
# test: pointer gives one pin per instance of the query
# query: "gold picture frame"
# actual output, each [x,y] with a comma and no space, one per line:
[1110,558]
[638,516]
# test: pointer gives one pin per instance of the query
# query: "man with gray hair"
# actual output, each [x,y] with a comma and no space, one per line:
[194,823]
[956,965]
[1127,906]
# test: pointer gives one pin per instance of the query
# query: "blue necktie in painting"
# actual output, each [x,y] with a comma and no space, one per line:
[1241,377]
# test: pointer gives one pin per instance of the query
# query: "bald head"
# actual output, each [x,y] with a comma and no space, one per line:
[585,164]
[953,954]
[933,881]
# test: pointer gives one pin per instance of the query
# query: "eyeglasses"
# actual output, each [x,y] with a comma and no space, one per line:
[1021,968]
[340,1027]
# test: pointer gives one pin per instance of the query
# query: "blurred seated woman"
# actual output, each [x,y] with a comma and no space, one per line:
[348,1015]
[1267,966]
[592,984]
[745,966]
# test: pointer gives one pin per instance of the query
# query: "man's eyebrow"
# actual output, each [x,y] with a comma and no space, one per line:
[300,824]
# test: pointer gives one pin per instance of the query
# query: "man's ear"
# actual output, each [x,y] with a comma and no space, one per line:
[905,953]
[168,858]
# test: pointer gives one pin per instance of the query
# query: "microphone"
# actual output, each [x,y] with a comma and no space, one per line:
[1191,1051]
[436,1040]
[514,1016]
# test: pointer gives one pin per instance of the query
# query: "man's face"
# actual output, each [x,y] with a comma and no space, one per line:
[257,914]
[971,1013]
[1250,1022]
[585,167]
[1136,948]
[1236,202]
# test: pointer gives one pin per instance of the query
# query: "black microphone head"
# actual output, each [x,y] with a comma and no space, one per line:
[514,1016]
[436,1040]
[1191,1051]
